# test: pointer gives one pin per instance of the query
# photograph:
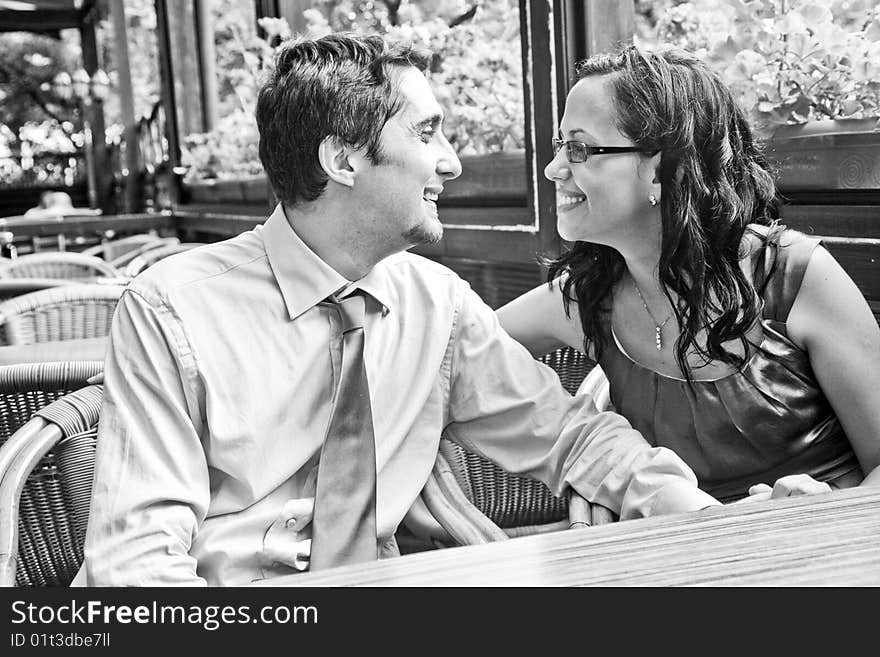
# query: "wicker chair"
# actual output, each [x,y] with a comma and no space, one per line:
[43,546]
[475,501]
[71,312]
[121,261]
[151,257]
[14,287]
[109,249]
[47,443]
[72,266]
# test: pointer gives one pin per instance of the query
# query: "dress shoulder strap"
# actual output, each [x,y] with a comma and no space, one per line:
[779,273]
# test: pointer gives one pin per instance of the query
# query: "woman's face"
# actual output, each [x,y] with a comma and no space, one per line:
[604,199]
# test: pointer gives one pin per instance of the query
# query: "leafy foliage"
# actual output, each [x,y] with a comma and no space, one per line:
[476,74]
[477,69]
[788,61]
[36,126]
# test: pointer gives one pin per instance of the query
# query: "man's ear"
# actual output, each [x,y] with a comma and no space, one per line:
[335,158]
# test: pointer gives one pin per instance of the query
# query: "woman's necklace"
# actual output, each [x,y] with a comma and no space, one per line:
[658,326]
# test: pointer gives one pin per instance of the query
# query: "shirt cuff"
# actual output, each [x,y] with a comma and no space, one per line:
[681,498]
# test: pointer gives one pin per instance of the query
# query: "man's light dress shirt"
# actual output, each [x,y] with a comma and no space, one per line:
[218,384]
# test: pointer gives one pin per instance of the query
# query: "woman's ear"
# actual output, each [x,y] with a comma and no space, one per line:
[654,163]
[335,158]
[649,170]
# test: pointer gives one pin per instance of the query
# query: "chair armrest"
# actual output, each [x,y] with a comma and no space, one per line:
[12,484]
[455,513]
[71,415]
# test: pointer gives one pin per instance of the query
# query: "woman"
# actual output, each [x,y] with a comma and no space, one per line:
[739,344]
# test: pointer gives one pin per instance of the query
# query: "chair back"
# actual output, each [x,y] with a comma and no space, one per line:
[507,499]
[71,312]
[47,447]
[151,257]
[14,287]
[109,249]
[121,261]
[64,265]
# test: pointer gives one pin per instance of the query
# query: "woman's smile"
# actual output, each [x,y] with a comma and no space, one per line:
[565,201]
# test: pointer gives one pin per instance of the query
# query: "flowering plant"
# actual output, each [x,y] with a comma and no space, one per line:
[788,61]
[476,75]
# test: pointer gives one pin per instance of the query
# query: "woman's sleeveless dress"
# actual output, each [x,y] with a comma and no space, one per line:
[767,420]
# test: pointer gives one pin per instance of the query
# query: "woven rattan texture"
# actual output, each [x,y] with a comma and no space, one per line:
[507,499]
[57,265]
[71,312]
[50,527]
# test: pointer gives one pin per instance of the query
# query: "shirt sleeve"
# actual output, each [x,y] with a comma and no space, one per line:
[151,486]
[513,410]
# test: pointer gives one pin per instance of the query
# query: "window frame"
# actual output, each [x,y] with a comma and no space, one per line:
[473,229]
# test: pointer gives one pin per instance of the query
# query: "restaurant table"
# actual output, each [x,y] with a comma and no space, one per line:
[86,224]
[832,539]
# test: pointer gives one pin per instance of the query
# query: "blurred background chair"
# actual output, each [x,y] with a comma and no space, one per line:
[122,261]
[109,249]
[70,312]
[65,265]
[152,256]
[14,287]
[48,417]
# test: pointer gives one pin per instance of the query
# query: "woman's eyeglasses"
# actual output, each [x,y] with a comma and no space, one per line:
[578,151]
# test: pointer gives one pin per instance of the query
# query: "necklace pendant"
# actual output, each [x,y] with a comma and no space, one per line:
[657,338]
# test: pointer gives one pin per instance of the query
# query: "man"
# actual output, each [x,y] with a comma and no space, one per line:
[224,382]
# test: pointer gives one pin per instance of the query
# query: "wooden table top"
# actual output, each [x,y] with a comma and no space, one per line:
[22,226]
[43,352]
[823,540]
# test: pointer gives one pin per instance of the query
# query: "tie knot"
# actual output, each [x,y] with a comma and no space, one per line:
[351,310]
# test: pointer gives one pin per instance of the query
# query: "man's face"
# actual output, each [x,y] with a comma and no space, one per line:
[400,192]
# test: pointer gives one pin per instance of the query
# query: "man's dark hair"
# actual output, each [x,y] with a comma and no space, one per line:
[337,86]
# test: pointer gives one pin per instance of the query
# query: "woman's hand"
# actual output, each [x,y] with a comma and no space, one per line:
[788,486]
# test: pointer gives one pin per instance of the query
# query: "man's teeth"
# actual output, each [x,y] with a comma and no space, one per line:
[430,196]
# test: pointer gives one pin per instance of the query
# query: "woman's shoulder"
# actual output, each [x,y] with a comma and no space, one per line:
[779,257]
[777,245]
[760,235]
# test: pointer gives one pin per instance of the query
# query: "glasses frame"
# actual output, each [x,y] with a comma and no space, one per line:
[585,151]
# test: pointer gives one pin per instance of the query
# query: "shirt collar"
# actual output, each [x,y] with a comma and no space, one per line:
[303,278]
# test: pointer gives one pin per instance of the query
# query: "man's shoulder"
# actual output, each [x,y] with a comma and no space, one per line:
[429,284]
[202,265]
[410,264]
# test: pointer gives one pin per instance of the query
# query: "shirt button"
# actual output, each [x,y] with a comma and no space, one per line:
[291,523]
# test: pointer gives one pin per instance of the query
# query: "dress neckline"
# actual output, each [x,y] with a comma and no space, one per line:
[756,349]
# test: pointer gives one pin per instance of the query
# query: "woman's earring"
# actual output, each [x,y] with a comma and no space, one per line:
[652,200]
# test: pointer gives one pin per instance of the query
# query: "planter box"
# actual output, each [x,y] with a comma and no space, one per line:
[494,179]
[254,189]
[827,155]
[497,179]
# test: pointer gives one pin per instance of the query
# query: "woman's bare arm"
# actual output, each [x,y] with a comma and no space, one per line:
[831,320]
[537,320]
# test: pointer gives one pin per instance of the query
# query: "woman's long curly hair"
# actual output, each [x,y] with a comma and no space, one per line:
[714,183]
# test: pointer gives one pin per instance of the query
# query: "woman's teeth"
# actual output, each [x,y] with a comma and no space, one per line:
[565,202]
